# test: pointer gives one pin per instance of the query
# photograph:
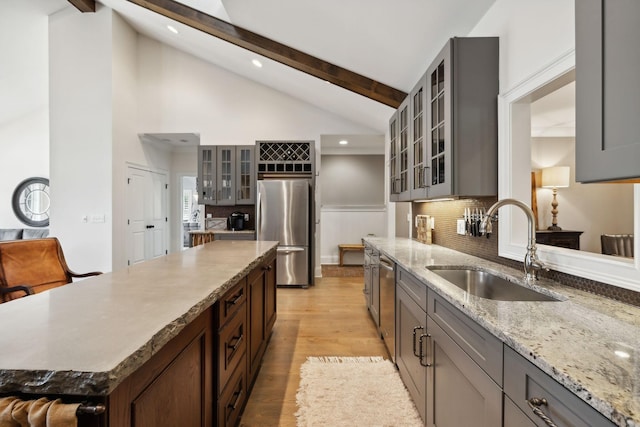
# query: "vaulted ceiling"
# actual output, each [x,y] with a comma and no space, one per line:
[387,43]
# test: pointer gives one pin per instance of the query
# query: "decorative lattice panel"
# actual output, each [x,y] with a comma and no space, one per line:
[285,156]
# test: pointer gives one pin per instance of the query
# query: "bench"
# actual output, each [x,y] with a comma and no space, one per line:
[346,247]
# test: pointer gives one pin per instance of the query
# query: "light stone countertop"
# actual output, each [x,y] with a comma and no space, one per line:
[84,338]
[572,340]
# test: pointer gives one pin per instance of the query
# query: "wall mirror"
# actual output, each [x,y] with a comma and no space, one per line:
[520,152]
[31,202]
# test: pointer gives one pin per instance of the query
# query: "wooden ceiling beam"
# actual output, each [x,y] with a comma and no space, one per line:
[276,51]
[84,5]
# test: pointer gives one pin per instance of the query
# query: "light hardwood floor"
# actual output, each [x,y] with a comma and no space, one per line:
[328,319]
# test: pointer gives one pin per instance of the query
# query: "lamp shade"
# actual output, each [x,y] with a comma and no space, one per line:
[555,177]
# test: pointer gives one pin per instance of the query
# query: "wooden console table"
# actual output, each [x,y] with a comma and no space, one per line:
[561,238]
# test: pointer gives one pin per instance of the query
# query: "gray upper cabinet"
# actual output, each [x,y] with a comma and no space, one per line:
[420,163]
[607,93]
[245,175]
[445,134]
[206,174]
[400,154]
[462,118]
[393,157]
[226,174]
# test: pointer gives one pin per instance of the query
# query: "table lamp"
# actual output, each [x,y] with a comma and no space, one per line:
[554,178]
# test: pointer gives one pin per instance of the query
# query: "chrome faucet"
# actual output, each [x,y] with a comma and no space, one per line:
[531,262]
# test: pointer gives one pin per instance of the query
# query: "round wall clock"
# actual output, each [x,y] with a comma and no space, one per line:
[31,202]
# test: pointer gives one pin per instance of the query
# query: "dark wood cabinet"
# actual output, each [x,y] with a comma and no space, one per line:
[175,387]
[562,238]
[607,93]
[261,286]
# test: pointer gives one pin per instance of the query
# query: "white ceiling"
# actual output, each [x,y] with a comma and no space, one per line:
[388,41]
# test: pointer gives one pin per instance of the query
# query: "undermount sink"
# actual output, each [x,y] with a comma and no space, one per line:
[487,285]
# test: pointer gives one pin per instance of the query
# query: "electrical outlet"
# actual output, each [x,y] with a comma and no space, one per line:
[461,227]
[246,217]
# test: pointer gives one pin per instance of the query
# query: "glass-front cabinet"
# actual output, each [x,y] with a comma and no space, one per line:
[206,174]
[446,143]
[420,163]
[393,157]
[400,154]
[226,175]
[440,126]
[226,170]
[246,175]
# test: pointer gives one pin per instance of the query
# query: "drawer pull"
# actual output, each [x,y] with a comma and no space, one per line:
[234,346]
[234,405]
[535,403]
[416,328]
[235,300]
[427,336]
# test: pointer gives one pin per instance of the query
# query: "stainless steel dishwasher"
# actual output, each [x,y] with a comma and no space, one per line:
[388,304]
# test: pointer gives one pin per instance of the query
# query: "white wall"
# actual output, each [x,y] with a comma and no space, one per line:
[24,98]
[353,203]
[532,34]
[81,136]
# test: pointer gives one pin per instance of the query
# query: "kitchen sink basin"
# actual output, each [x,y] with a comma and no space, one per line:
[487,285]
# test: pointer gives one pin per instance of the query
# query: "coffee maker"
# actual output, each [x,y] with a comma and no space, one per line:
[235,221]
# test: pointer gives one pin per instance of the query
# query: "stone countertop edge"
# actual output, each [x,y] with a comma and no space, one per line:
[101,383]
[572,340]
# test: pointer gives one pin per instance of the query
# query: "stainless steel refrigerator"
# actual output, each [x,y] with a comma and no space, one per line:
[283,213]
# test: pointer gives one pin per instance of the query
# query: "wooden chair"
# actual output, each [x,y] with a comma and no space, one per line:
[31,266]
[617,244]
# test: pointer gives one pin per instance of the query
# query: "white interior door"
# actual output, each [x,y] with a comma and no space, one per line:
[146,215]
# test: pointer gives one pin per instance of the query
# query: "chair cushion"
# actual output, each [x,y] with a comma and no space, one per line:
[10,233]
[35,263]
[35,233]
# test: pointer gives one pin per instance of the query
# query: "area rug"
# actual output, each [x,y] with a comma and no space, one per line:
[353,391]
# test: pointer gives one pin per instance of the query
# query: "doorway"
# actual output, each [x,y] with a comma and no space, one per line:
[191,217]
[147,221]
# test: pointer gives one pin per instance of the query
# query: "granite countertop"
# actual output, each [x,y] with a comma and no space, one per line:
[86,337]
[574,340]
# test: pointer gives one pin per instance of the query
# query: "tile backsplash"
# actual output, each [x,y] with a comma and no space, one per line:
[446,214]
[225,211]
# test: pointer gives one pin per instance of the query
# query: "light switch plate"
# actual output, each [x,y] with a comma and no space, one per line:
[460,226]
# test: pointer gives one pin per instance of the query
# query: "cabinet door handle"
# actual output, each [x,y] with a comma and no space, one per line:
[535,403]
[421,356]
[234,347]
[235,299]
[267,268]
[416,328]
[425,175]
[151,226]
[234,405]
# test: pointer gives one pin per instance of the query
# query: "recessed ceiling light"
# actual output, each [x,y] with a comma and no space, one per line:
[343,142]
[172,29]
[256,63]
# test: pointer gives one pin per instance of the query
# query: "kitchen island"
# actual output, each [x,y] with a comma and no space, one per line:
[588,344]
[103,337]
